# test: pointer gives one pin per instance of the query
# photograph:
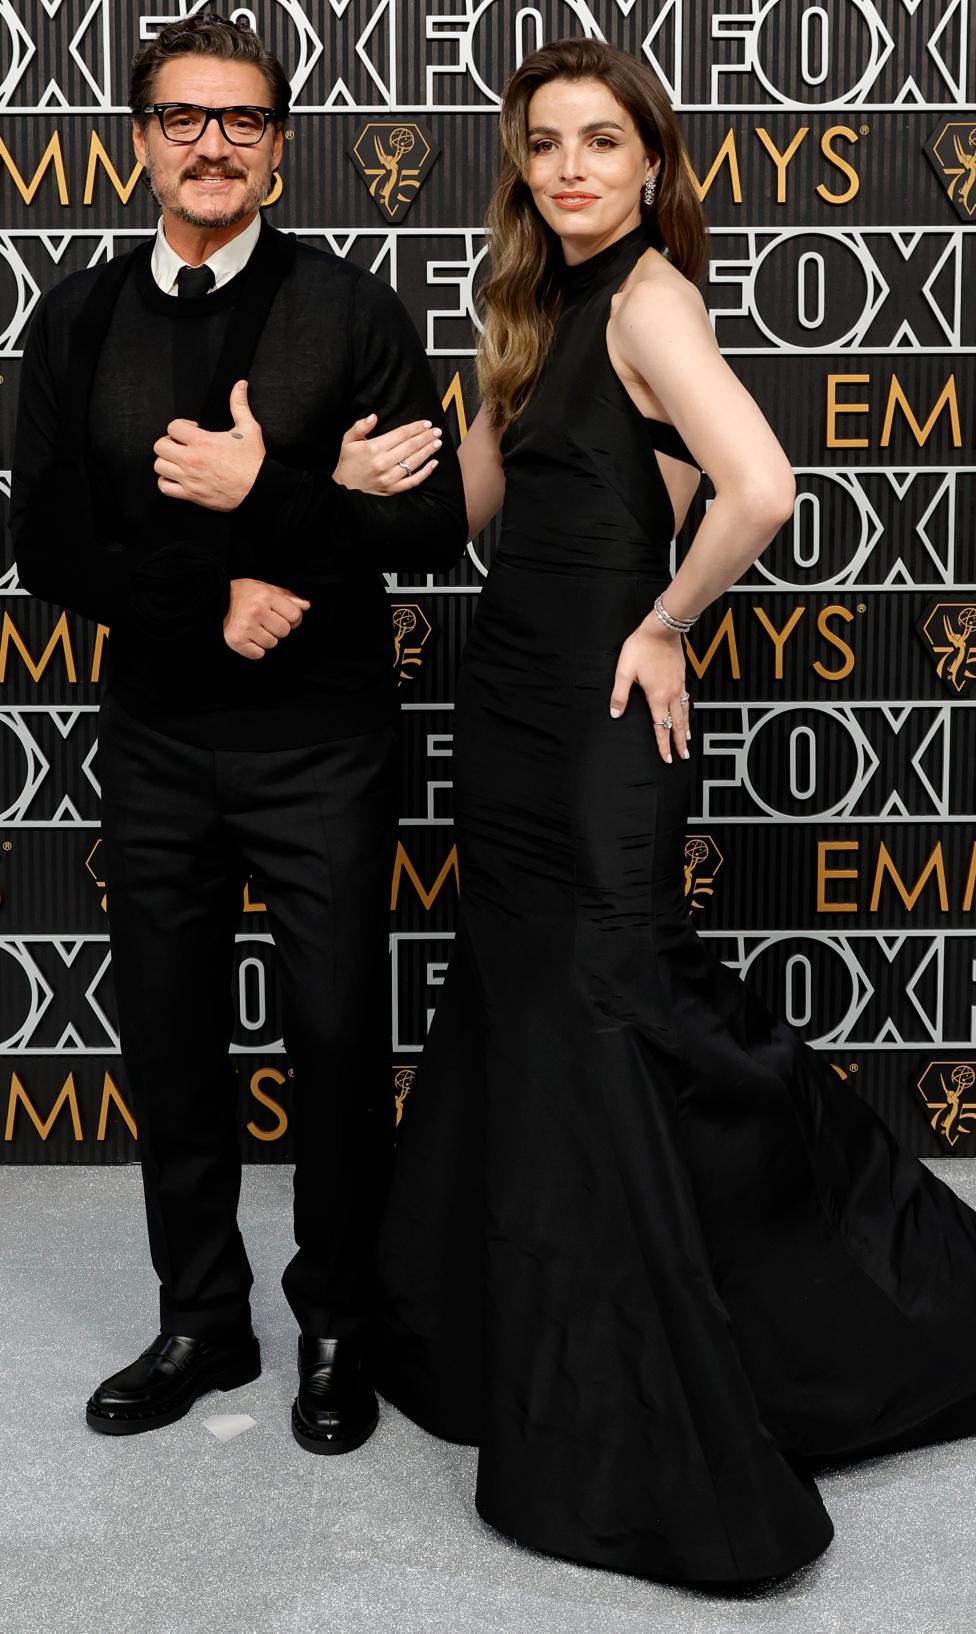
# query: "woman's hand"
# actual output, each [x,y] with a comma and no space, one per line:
[391,464]
[654,658]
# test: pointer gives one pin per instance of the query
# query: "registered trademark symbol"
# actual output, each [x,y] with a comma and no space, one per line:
[862,607]
[865,129]
[8,845]
[853,1067]
[289,136]
[291,1072]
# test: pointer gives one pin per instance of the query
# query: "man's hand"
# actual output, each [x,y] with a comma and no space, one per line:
[214,469]
[260,615]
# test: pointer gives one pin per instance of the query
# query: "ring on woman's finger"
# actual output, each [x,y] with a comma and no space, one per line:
[667,721]
[685,698]
[406,467]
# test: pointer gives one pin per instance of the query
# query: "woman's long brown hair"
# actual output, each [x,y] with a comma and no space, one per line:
[521,297]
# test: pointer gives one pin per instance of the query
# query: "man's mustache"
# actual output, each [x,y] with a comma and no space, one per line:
[196,171]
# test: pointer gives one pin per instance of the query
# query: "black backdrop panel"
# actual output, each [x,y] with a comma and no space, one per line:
[831,853]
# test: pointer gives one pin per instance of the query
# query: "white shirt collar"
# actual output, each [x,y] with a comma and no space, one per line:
[225,263]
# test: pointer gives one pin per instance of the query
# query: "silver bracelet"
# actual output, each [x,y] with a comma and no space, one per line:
[680,626]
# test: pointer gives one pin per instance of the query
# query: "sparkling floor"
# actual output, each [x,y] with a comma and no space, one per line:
[175,1532]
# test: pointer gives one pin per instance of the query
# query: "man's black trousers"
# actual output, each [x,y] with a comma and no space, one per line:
[183,828]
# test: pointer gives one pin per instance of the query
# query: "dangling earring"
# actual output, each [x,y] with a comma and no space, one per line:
[650,188]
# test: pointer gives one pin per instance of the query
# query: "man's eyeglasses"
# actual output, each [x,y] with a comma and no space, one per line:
[185,122]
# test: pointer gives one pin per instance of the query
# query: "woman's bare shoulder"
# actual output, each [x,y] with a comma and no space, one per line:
[655,280]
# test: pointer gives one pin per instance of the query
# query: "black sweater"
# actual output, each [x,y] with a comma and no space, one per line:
[110,359]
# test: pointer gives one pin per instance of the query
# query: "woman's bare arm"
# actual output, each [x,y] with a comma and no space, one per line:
[661,332]
[481,471]
[660,335]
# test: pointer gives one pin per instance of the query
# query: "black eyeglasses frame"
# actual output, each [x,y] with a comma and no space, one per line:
[271,115]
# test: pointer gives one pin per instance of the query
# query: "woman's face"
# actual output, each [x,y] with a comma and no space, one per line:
[587,164]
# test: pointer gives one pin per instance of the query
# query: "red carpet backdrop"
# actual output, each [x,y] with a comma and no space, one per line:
[832,852]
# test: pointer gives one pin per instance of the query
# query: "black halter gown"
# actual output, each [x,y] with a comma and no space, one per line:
[643,1246]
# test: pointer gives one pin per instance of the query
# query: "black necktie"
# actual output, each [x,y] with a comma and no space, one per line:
[194,281]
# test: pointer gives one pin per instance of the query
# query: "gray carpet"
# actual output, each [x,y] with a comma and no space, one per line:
[175,1533]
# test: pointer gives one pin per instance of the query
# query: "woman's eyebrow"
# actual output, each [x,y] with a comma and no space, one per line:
[584,130]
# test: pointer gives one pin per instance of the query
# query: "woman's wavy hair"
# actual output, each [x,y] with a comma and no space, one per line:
[520,300]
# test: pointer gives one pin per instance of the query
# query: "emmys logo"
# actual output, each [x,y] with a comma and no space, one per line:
[952,152]
[411,630]
[393,160]
[703,859]
[402,1085]
[949,628]
[947,1087]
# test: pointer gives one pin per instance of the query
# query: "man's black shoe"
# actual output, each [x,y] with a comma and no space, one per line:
[166,1380]
[335,1409]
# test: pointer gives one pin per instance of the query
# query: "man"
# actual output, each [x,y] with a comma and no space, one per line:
[179,413]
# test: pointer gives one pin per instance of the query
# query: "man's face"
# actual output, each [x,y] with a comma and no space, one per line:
[210,182]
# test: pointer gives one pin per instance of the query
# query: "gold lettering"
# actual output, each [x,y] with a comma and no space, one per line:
[725,632]
[824,874]
[934,864]
[98,156]
[834,408]
[52,155]
[18,1094]
[825,613]
[101,636]
[726,154]
[827,150]
[257,1079]
[112,1097]
[967,895]
[60,636]
[780,160]
[455,396]
[403,865]
[779,638]
[947,399]
[249,906]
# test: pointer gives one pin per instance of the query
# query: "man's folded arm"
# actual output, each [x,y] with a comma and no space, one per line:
[301,523]
[64,553]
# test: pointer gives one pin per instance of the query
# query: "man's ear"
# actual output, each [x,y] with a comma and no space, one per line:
[139,141]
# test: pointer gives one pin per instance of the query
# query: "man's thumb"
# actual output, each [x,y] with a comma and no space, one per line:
[240,408]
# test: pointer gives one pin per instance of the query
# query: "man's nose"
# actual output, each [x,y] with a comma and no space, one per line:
[212,143]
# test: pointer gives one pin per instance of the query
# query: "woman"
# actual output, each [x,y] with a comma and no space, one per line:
[643,1247]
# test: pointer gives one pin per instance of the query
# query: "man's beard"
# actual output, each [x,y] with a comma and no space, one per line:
[257,186]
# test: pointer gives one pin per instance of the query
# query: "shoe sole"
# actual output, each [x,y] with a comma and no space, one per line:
[224,1379]
[330,1447]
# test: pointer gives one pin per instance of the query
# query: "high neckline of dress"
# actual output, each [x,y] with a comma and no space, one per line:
[582,277]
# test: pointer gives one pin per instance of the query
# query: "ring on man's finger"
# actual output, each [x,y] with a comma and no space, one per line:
[667,721]
[406,467]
